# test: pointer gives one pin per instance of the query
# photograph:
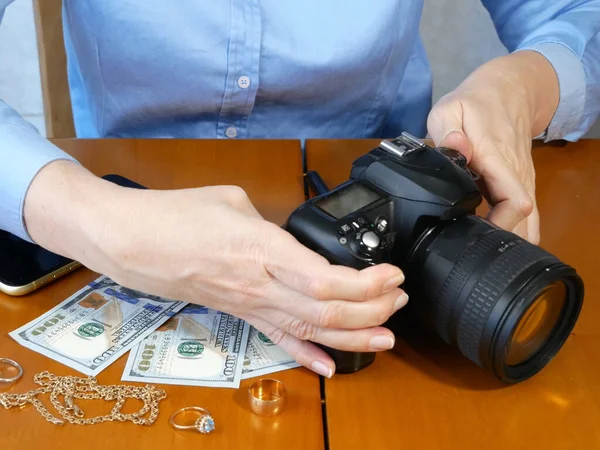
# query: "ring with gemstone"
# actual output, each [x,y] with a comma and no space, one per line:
[9,365]
[267,397]
[204,423]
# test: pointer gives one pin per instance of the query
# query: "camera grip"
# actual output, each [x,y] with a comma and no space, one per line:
[349,362]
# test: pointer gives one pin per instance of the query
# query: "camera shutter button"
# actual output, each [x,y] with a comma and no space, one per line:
[370,239]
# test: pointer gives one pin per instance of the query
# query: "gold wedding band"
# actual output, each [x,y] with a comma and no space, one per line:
[204,423]
[13,365]
[267,397]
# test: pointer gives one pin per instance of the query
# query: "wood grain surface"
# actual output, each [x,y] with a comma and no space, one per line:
[420,395]
[424,395]
[270,172]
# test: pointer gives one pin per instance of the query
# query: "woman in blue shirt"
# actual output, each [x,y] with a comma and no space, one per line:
[277,69]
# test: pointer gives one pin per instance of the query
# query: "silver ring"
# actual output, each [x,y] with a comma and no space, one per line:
[14,364]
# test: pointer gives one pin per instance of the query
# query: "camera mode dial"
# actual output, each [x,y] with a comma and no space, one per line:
[455,156]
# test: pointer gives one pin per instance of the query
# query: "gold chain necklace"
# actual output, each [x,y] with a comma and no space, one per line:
[87,388]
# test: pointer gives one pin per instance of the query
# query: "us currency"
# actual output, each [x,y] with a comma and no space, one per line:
[96,325]
[197,347]
[264,357]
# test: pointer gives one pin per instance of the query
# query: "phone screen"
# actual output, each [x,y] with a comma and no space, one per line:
[22,262]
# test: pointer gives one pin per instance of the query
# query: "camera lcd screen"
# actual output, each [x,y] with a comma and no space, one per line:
[348,200]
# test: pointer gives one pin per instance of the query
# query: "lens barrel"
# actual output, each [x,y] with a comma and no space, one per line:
[505,303]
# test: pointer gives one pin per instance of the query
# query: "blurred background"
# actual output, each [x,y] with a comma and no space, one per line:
[458,35]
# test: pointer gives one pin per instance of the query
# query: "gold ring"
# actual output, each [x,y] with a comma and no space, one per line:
[14,365]
[204,423]
[267,397]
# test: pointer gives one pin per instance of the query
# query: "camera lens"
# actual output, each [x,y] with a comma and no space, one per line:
[506,304]
[536,325]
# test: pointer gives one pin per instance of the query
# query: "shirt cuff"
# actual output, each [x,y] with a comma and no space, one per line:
[23,153]
[572,87]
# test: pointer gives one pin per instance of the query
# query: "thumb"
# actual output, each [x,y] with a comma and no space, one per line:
[456,140]
[311,274]
[446,129]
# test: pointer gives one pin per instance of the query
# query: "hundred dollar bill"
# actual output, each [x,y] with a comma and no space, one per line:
[264,357]
[197,347]
[96,325]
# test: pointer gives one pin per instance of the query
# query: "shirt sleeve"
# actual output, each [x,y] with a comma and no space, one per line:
[567,34]
[23,153]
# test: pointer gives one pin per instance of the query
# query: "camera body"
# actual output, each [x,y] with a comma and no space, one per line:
[506,304]
[396,194]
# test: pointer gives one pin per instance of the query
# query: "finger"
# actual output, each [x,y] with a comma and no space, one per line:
[510,201]
[445,126]
[533,221]
[521,229]
[456,140]
[335,313]
[529,228]
[374,339]
[533,227]
[315,277]
[303,352]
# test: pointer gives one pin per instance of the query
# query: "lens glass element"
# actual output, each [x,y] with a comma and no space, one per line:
[536,325]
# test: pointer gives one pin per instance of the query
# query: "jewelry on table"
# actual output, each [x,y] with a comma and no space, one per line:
[204,423]
[87,388]
[267,397]
[13,366]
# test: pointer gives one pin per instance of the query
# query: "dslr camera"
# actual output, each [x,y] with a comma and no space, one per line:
[506,304]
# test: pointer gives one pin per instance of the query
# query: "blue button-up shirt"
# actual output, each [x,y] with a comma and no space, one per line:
[276,69]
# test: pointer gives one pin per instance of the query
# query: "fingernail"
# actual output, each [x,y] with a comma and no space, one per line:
[401,301]
[322,369]
[394,282]
[381,342]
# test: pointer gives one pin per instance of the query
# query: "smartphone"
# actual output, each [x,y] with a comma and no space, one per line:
[26,267]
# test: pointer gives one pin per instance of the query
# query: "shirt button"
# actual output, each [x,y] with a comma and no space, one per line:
[243,82]
[231,132]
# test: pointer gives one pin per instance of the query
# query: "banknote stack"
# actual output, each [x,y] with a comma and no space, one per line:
[169,341]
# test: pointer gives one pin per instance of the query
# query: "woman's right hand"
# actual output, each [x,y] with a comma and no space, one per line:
[210,246]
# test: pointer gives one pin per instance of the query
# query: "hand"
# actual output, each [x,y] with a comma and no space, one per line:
[491,118]
[210,246]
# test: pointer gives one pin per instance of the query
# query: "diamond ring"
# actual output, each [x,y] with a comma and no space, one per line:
[204,423]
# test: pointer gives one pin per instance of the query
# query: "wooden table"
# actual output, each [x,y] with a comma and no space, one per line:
[423,395]
[271,173]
